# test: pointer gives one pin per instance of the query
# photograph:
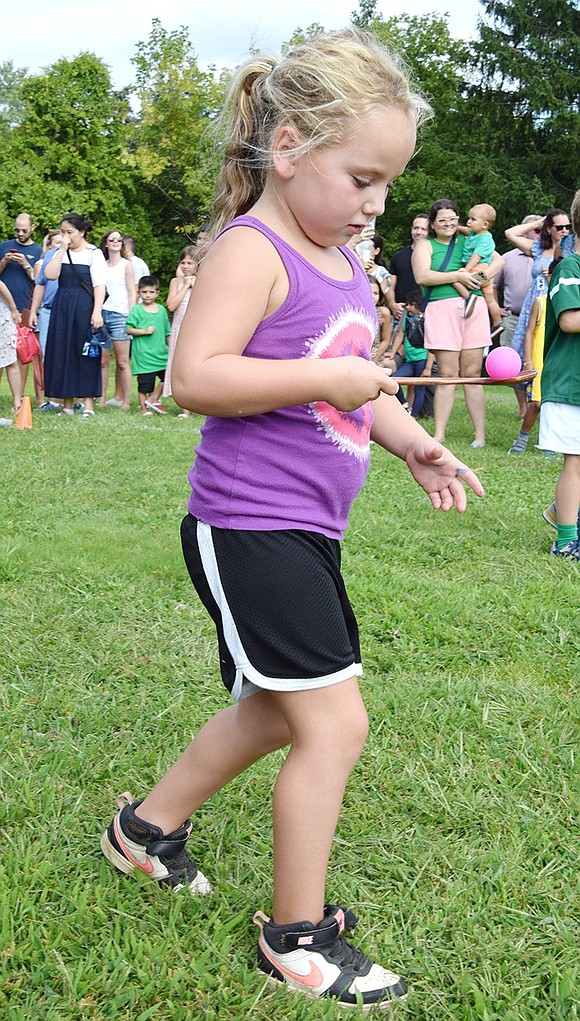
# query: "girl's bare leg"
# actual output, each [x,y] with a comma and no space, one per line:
[123,377]
[328,728]
[226,745]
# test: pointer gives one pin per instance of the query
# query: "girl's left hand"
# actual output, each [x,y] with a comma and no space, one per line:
[96,320]
[441,474]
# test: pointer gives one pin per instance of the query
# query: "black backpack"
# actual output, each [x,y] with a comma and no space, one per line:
[415,330]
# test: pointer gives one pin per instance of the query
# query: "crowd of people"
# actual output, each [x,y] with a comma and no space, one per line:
[441,302]
[443,288]
[86,302]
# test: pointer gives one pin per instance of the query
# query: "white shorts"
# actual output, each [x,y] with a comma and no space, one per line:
[560,428]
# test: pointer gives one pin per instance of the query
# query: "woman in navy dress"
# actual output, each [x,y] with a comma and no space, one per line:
[81,271]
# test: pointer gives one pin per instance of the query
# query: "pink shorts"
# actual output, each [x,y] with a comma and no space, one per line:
[447,330]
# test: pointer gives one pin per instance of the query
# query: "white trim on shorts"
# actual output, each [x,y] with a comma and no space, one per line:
[560,428]
[248,679]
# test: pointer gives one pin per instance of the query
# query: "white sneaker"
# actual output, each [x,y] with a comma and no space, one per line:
[318,961]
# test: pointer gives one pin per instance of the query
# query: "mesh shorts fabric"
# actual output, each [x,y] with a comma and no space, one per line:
[278,600]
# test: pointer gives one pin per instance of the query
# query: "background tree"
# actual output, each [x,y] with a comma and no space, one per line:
[145,159]
[67,150]
[170,143]
[526,100]
[11,102]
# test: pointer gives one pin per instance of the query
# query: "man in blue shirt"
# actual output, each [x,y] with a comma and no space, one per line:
[17,260]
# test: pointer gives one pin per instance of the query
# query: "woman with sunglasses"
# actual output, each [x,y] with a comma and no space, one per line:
[550,231]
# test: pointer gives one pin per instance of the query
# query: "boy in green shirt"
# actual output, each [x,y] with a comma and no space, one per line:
[148,325]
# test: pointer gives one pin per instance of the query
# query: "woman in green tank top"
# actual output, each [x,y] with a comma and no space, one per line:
[458,342]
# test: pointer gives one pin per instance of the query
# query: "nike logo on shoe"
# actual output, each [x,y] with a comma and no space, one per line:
[309,975]
[146,865]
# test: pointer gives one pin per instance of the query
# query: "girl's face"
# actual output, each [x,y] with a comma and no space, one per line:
[333,192]
[376,291]
[188,266]
[55,240]
[76,237]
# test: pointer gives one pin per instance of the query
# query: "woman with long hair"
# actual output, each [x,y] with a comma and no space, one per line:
[121,296]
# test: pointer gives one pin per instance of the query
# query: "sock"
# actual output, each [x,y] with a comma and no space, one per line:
[521,441]
[566,534]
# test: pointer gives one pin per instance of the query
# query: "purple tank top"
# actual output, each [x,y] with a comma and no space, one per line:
[299,467]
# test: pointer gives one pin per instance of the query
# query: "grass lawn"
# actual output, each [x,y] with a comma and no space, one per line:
[458,844]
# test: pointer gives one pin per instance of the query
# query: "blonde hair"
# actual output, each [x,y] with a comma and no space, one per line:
[486,212]
[50,234]
[314,89]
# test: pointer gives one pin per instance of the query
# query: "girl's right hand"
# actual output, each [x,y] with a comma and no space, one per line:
[353,382]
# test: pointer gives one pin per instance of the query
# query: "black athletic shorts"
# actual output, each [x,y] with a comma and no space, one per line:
[279,605]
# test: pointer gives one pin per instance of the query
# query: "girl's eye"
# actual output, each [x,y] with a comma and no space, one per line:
[360,183]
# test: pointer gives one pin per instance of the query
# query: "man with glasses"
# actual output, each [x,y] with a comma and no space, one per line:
[402,279]
[18,257]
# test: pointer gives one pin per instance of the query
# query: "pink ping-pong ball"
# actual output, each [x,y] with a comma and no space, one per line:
[503,363]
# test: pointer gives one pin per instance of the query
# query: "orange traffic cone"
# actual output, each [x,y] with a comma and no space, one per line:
[24,416]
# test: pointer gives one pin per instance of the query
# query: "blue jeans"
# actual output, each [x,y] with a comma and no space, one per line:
[413,369]
[43,319]
[115,323]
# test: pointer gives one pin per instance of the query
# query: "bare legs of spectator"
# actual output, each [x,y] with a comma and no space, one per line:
[14,382]
[460,363]
[123,377]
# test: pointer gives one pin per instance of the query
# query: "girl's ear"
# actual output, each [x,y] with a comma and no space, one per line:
[284,145]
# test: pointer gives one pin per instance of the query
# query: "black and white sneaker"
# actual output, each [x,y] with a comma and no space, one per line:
[318,961]
[132,845]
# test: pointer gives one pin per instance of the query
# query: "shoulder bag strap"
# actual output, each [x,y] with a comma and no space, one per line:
[441,269]
[82,282]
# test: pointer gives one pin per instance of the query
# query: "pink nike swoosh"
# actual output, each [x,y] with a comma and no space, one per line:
[313,979]
[147,866]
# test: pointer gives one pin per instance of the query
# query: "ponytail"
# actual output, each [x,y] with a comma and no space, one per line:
[248,114]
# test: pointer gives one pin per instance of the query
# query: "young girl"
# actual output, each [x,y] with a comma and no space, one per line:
[177,302]
[383,336]
[280,363]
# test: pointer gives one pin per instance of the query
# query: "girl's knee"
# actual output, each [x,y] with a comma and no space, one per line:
[354,735]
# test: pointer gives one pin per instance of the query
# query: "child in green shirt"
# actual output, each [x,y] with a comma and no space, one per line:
[148,325]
